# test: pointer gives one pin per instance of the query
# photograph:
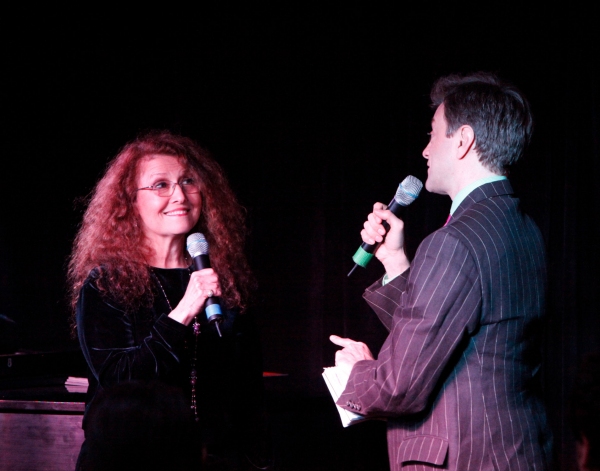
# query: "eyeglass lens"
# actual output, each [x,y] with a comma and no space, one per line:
[188,187]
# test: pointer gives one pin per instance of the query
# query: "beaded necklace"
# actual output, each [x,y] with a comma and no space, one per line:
[193,372]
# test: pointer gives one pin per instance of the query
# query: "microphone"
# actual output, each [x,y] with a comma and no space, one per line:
[407,192]
[197,246]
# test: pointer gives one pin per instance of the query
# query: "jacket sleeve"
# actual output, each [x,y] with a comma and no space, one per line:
[385,301]
[431,313]
[107,338]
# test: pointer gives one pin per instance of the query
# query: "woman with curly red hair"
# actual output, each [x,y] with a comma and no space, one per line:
[138,303]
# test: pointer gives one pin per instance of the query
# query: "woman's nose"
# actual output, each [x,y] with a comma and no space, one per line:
[178,193]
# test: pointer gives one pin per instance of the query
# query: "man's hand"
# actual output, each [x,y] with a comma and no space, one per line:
[351,352]
[391,252]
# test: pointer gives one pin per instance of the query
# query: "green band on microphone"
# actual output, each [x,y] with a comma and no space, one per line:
[361,257]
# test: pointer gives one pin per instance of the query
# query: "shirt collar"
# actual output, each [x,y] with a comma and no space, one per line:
[462,194]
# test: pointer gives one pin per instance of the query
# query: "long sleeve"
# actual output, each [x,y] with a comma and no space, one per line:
[120,347]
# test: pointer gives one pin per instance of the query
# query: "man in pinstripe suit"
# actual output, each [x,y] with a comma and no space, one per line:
[458,376]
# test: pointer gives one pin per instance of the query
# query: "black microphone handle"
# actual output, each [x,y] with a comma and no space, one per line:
[199,262]
[396,209]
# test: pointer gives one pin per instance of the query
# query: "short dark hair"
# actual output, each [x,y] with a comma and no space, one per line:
[497,111]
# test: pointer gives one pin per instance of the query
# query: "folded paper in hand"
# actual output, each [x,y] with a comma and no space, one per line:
[336,381]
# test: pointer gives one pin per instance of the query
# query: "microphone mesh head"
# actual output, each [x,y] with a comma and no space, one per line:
[408,190]
[197,244]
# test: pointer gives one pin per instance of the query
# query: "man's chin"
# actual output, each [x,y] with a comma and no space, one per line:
[433,188]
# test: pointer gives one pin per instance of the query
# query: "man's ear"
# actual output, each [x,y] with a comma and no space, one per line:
[466,140]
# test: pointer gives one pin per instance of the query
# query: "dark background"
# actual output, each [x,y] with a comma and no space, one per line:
[315,112]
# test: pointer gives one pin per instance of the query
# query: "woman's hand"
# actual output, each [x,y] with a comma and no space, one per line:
[203,284]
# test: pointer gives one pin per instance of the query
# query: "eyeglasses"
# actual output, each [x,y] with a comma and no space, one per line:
[167,188]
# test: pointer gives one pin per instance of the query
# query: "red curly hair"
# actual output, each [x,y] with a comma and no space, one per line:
[110,237]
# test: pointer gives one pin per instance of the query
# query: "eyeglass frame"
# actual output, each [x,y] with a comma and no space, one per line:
[172,186]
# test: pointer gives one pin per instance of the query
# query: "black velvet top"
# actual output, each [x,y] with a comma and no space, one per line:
[148,345]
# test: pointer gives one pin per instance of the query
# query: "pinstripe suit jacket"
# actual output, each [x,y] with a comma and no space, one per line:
[457,376]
